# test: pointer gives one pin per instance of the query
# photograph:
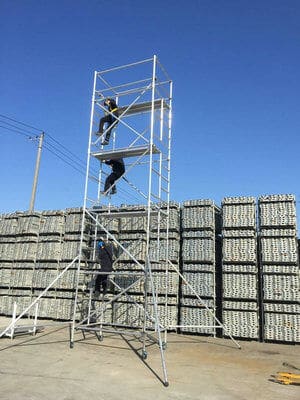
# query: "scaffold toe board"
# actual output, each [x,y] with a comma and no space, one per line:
[134,151]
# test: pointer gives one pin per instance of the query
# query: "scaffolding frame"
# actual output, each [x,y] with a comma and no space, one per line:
[149,100]
[145,114]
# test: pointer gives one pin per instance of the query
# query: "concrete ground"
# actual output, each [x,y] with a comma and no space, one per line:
[45,368]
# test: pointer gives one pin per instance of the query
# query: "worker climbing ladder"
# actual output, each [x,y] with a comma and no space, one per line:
[142,138]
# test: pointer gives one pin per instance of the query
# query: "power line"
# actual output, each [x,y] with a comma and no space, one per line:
[21,123]
[73,154]
[81,165]
[61,158]
[14,130]
[62,155]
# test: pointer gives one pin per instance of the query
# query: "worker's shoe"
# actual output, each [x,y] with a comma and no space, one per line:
[113,190]
[105,142]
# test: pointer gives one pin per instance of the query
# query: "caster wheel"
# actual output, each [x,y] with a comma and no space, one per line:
[166,384]
[71,345]
[101,338]
[144,355]
[164,346]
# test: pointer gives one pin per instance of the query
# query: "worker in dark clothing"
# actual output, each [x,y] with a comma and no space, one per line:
[118,169]
[110,119]
[105,259]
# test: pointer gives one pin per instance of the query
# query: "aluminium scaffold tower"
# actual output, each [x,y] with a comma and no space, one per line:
[142,137]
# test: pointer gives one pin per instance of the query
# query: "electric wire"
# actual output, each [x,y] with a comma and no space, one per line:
[14,130]
[21,123]
[59,151]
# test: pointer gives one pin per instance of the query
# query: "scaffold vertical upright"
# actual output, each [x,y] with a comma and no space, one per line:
[142,137]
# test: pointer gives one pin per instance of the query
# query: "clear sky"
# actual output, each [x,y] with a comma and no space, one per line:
[236,71]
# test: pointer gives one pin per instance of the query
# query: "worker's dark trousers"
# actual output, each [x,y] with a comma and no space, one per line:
[109,119]
[101,282]
[110,180]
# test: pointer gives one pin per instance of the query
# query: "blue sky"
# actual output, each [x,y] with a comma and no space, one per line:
[236,72]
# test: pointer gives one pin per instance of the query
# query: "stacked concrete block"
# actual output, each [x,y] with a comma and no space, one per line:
[279,268]
[34,248]
[200,221]
[240,283]
[164,243]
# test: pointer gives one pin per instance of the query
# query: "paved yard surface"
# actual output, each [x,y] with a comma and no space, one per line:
[45,368]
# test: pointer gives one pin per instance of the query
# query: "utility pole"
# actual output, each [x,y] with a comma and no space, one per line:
[36,173]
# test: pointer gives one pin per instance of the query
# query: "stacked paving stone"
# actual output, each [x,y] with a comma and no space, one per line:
[240,302]
[279,268]
[132,235]
[200,221]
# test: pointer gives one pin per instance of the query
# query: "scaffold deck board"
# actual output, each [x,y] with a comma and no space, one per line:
[124,214]
[142,107]
[134,151]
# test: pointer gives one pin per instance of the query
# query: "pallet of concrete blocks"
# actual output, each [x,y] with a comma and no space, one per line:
[7,251]
[8,224]
[165,283]
[73,220]
[163,250]
[198,214]
[282,327]
[25,250]
[240,268]
[5,274]
[133,223]
[167,315]
[28,223]
[195,268]
[197,234]
[198,250]
[277,211]
[240,286]
[238,233]
[70,249]
[21,278]
[64,309]
[131,281]
[267,232]
[279,249]
[7,304]
[49,251]
[203,283]
[106,223]
[239,212]
[103,312]
[128,314]
[197,320]
[239,250]
[47,308]
[68,279]
[52,222]
[163,218]
[241,323]
[128,266]
[281,287]
[43,277]
[139,298]
[135,249]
